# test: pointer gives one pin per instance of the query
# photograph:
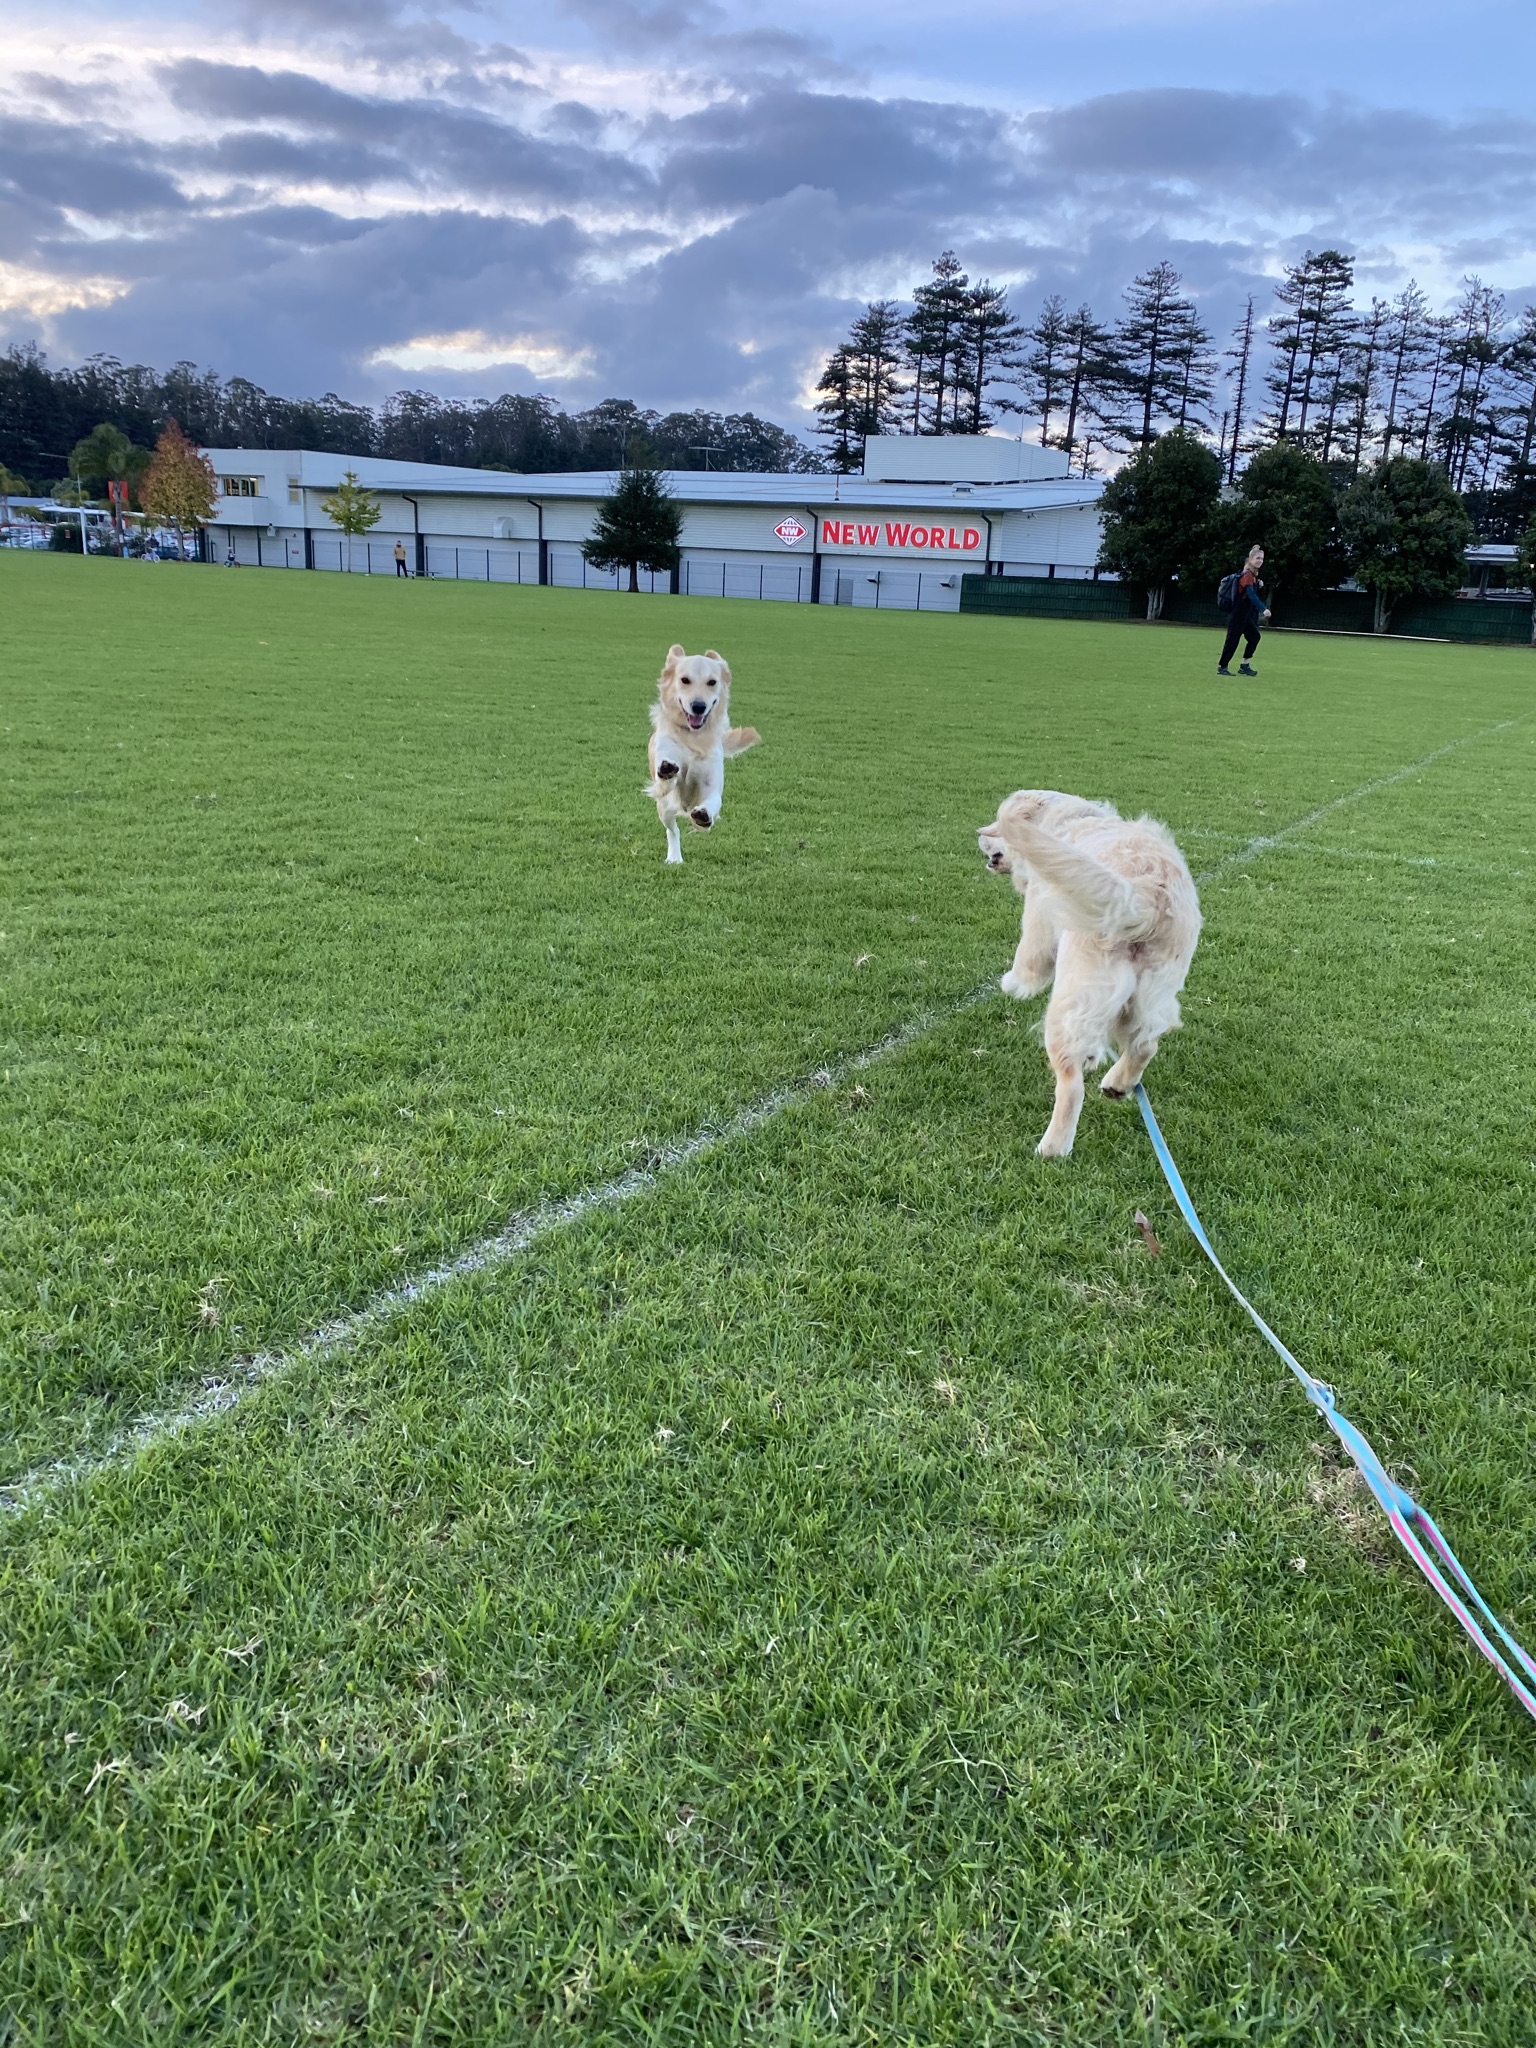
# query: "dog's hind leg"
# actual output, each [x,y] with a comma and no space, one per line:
[1153,1010]
[1091,993]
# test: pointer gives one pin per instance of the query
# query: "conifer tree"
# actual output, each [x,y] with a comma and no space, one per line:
[1153,361]
[1309,331]
[874,347]
[1407,348]
[1240,355]
[935,346]
[1043,364]
[1473,349]
[638,526]
[1087,346]
[837,409]
[989,340]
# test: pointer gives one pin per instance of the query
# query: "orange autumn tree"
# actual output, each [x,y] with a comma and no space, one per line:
[179,486]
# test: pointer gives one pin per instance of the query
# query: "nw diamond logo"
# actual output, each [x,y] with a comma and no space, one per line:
[790,530]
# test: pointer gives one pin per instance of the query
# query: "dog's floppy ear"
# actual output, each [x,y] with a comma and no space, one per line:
[675,653]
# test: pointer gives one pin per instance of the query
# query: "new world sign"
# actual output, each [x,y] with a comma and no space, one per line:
[899,537]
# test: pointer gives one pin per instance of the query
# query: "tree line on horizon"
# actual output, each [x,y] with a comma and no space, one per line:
[1354,386]
[46,414]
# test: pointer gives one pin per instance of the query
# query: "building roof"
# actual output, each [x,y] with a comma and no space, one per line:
[793,489]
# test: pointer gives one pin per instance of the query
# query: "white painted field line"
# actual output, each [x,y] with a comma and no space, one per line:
[342,1332]
[1265,841]
[244,1376]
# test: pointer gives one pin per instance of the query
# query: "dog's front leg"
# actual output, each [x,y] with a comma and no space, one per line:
[1034,961]
[706,792]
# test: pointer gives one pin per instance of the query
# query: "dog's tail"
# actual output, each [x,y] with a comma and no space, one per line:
[1097,899]
[739,737]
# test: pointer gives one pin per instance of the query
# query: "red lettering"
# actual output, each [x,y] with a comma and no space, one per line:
[896,536]
[951,542]
[937,537]
[919,536]
[830,533]
[972,537]
[868,536]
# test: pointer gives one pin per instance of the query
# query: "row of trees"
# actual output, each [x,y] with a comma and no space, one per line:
[45,413]
[1398,529]
[1352,385]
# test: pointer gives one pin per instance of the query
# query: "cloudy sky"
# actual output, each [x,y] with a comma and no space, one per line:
[684,201]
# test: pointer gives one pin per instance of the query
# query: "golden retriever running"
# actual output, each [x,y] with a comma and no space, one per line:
[691,736]
[1111,916]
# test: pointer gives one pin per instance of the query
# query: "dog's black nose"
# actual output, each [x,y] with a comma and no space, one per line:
[698,707]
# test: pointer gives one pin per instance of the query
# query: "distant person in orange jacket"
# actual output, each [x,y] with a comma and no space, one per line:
[400,568]
[1250,615]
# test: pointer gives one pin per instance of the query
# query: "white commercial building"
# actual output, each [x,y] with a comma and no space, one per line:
[925,512]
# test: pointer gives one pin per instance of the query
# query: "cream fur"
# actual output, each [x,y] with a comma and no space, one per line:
[1112,919]
[688,750]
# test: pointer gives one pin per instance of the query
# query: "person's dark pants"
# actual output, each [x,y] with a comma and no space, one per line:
[1234,634]
[401,570]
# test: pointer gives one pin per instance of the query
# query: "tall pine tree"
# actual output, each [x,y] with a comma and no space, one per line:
[935,343]
[1309,331]
[1153,359]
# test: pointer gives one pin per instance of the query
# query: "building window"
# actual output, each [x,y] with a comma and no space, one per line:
[295,491]
[240,486]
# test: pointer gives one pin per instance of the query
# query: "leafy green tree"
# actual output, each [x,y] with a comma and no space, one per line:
[1405,533]
[103,459]
[179,485]
[637,526]
[1157,512]
[353,508]
[1286,503]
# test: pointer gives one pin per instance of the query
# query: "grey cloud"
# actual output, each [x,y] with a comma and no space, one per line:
[863,150]
[90,171]
[427,143]
[807,194]
[85,98]
[1362,169]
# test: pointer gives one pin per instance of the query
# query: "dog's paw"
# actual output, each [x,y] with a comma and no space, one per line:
[673,860]
[701,818]
[1114,1094]
[1053,1148]
[665,770]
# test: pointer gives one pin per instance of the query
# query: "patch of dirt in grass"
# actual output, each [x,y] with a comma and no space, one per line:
[1339,1494]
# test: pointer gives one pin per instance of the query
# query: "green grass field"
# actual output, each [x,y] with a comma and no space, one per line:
[850,1592]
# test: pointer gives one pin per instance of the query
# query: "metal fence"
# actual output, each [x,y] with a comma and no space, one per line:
[1498,620]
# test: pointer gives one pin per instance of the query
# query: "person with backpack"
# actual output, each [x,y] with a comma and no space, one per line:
[1241,594]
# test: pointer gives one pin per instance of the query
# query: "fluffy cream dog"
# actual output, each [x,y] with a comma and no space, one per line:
[690,738]
[1111,916]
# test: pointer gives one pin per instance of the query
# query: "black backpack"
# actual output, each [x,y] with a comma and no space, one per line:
[1226,591]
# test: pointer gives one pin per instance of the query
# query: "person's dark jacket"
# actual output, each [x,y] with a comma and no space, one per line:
[1248,606]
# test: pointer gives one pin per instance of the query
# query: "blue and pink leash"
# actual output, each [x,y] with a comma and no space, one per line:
[1412,1525]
